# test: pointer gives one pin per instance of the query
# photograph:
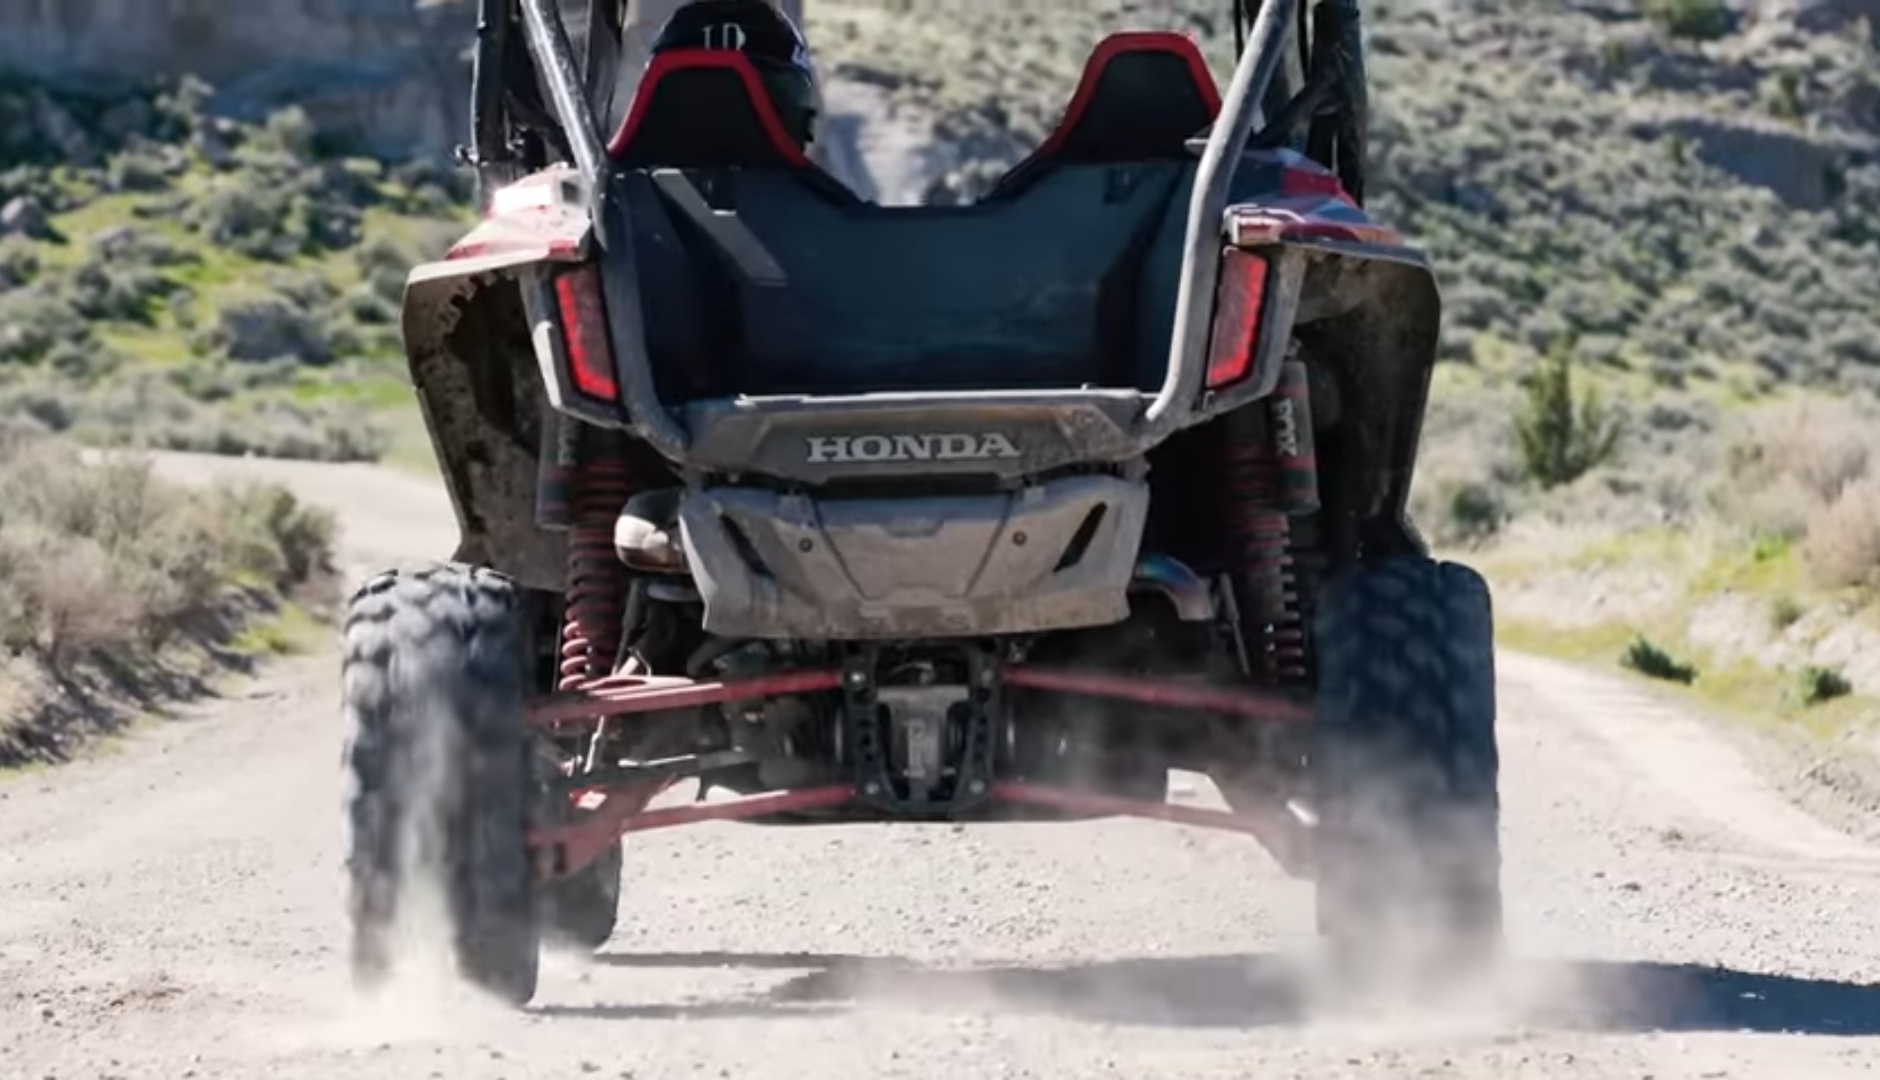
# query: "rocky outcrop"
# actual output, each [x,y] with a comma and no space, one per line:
[393,73]
[1803,170]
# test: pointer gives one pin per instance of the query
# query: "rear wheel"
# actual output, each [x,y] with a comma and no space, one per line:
[583,909]
[1405,767]
[442,782]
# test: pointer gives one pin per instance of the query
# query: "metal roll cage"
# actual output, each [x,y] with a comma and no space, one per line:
[1331,103]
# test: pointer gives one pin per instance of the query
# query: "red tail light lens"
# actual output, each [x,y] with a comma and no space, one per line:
[1237,306]
[584,330]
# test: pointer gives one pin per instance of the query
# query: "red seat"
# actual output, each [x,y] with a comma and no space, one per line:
[1142,96]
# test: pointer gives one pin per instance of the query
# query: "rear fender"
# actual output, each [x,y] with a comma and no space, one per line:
[539,218]
[1371,326]
[1362,305]
[484,385]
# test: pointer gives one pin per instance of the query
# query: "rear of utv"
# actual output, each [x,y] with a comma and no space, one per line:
[851,513]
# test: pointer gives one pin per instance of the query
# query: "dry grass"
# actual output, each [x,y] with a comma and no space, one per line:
[1809,471]
[1791,460]
[105,572]
[1843,542]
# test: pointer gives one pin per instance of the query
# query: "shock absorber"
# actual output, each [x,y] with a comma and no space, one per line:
[597,481]
[1271,475]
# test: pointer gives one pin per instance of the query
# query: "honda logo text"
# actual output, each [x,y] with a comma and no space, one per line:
[845,449]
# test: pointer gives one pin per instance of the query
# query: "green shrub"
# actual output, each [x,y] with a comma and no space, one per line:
[290,131]
[1476,510]
[1785,95]
[367,306]
[181,108]
[1818,684]
[19,263]
[138,170]
[1653,662]
[1785,611]
[1767,547]
[110,290]
[1563,438]
[1698,20]
[253,220]
[259,324]
[34,322]
[383,265]
[84,362]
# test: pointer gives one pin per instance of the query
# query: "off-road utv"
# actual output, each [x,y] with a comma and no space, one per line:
[966,513]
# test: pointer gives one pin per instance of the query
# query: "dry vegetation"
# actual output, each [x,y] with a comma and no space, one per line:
[118,591]
[173,279]
[1809,473]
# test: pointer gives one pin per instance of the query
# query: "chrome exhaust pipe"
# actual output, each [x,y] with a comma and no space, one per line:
[1187,590]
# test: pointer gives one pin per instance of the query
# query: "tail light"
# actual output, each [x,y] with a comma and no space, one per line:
[584,331]
[1238,302]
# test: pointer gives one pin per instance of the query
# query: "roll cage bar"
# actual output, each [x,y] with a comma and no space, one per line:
[534,97]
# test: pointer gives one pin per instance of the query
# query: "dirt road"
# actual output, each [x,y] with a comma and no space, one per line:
[173,909]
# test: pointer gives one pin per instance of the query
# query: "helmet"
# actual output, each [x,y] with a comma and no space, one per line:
[764,35]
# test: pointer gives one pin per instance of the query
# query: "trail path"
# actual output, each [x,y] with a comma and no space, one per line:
[173,909]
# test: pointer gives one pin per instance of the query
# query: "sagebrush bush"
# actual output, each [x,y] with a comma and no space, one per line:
[1784,612]
[1823,446]
[255,221]
[289,131]
[255,323]
[1700,20]
[98,558]
[217,414]
[19,263]
[34,321]
[1809,471]
[1843,540]
[140,170]
[105,290]
[383,264]
[289,542]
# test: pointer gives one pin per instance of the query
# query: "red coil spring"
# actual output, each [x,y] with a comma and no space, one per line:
[596,596]
[1261,535]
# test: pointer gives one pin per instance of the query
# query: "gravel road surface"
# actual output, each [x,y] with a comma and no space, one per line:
[172,908]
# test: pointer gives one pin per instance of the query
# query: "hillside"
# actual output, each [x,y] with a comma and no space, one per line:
[176,278]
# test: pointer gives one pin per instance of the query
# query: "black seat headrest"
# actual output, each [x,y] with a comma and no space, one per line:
[1143,94]
[703,108]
